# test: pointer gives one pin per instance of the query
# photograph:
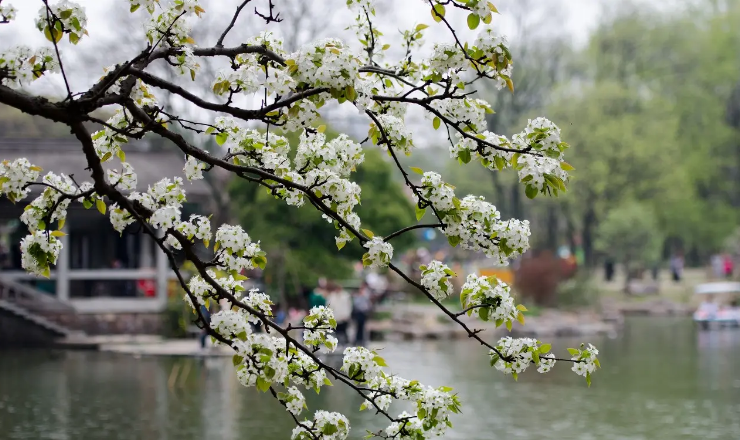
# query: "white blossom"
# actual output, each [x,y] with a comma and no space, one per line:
[379,253]
[71,16]
[38,251]
[193,169]
[435,277]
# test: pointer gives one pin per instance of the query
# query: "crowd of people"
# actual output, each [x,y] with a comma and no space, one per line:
[351,310]
[348,308]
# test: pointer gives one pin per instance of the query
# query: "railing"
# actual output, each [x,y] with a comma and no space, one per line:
[37,302]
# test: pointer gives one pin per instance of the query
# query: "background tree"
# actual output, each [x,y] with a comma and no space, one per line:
[630,234]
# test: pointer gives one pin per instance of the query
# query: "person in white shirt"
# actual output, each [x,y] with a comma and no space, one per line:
[709,307]
[340,301]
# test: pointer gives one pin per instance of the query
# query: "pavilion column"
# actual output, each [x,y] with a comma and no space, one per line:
[62,270]
[163,266]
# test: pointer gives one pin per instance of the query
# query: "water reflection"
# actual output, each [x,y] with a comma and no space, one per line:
[661,380]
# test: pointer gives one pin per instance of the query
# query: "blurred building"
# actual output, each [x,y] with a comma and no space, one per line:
[113,282]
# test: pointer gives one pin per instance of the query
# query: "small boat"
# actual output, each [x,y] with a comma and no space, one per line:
[720,308]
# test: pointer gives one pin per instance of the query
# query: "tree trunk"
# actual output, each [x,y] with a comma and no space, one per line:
[589,222]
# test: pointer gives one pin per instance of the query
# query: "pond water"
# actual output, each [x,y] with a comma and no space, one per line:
[660,379]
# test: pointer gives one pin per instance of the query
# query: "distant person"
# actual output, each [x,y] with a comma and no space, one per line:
[609,270]
[314,298]
[728,266]
[677,267]
[361,308]
[204,332]
[708,307]
[718,266]
[341,303]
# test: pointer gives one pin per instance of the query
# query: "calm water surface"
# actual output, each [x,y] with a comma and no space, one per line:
[660,380]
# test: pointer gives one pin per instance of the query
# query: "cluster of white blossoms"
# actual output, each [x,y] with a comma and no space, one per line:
[319,325]
[325,425]
[24,65]
[237,250]
[396,132]
[124,179]
[340,155]
[434,190]
[379,253]
[149,5]
[230,323]
[435,277]
[472,222]
[50,205]
[70,15]
[516,355]
[446,59]
[490,299]
[253,148]
[585,360]
[197,226]
[15,177]
[294,400]
[261,360]
[171,27]
[325,63]
[469,114]
[7,13]
[39,250]
[193,169]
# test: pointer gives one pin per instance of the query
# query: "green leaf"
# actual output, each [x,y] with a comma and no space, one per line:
[521,308]
[74,38]
[508,325]
[262,384]
[327,382]
[473,20]
[483,312]
[58,234]
[368,232]
[100,204]
[436,123]
[417,170]
[221,138]
[438,11]
[566,166]
[420,212]
[464,156]
[87,204]
[121,155]
[237,360]
[380,361]
[65,14]
[60,223]
[421,27]
[588,379]
[531,191]
[544,348]
[242,336]
[134,8]
[536,357]
[573,351]
[453,240]
[341,244]
[329,429]
[321,128]
[515,376]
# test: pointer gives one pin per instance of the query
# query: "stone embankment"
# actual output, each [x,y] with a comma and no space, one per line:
[428,322]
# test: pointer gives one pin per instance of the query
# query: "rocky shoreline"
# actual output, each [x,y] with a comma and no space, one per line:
[422,322]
